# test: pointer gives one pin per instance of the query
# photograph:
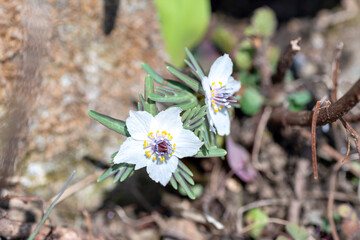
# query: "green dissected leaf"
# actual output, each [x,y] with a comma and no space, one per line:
[213,151]
[122,171]
[197,190]
[203,134]
[251,101]
[183,24]
[192,83]
[168,83]
[194,65]
[112,123]
[149,105]
[193,118]
[183,183]
[152,73]
[297,232]
[173,183]
[180,98]
[297,101]
[223,39]
[259,218]
[264,22]
[185,169]
[183,177]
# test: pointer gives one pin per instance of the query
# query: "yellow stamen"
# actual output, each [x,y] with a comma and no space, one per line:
[216,109]
[213,83]
[151,134]
[220,84]
[162,159]
[154,158]
[146,144]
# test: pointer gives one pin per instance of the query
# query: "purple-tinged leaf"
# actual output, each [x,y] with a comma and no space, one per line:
[239,161]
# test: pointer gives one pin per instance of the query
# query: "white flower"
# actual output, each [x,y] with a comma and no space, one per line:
[219,88]
[157,143]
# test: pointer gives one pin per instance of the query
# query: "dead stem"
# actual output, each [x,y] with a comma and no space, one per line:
[258,136]
[335,77]
[313,139]
[88,223]
[326,114]
[330,205]
[286,59]
[302,166]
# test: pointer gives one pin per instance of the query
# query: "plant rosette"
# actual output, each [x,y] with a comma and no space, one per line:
[157,143]
[219,88]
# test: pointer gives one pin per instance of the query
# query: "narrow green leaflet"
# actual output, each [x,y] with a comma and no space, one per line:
[183,183]
[180,98]
[212,152]
[183,177]
[152,73]
[168,83]
[121,171]
[194,65]
[112,123]
[192,83]
[194,117]
[149,104]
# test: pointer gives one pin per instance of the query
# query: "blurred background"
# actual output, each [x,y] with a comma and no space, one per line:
[60,58]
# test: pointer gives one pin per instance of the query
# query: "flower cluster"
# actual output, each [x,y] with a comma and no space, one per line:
[158,140]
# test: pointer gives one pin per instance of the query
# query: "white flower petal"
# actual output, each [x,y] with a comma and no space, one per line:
[162,171]
[138,124]
[221,70]
[221,121]
[187,144]
[233,85]
[168,120]
[206,86]
[132,151]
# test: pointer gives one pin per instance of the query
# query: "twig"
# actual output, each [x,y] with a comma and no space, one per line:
[326,115]
[302,166]
[286,60]
[313,139]
[88,223]
[330,205]
[335,77]
[258,136]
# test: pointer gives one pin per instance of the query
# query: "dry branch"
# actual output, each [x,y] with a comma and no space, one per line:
[327,114]
[286,60]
